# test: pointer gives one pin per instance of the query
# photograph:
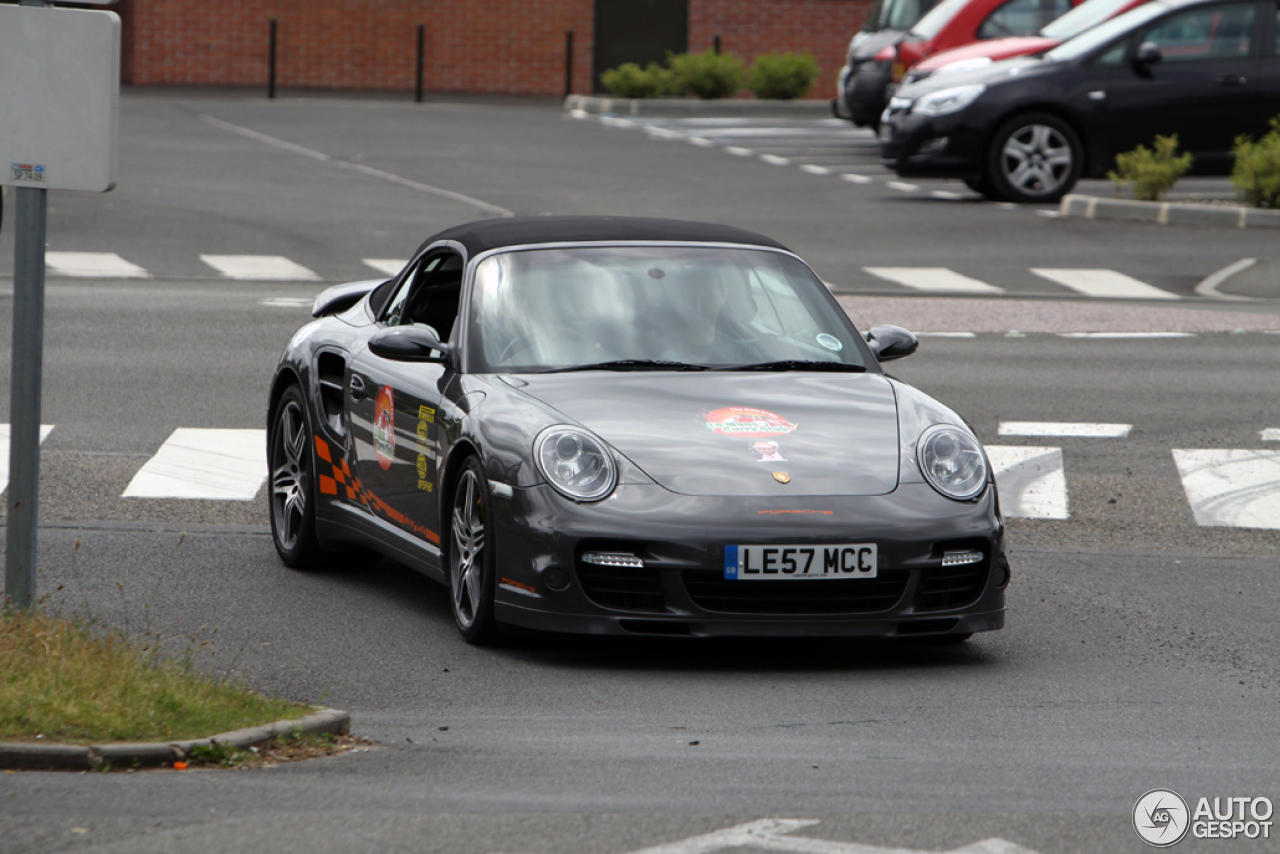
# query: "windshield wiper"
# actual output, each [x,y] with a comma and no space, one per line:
[631,365]
[796,365]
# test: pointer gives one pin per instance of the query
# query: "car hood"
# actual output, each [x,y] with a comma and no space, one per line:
[993,49]
[706,433]
[1005,71]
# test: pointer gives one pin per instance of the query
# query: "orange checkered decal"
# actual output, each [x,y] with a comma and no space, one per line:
[356,492]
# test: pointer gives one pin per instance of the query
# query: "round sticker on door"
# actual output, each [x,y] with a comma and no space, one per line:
[830,341]
[384,427]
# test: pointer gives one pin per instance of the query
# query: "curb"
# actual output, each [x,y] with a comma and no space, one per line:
[696,107]
[1168,213]
[70,757]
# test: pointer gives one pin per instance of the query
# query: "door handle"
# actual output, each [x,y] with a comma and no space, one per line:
[357,387]
[1232,80]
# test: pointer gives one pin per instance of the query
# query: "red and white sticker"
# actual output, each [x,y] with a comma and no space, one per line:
[747,422]
[384,427]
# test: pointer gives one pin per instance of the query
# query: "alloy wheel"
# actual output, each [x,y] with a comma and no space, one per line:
[1036,160]
[290,476]
[467,553]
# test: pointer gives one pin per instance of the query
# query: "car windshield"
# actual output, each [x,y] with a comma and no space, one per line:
[934,22]
[1083,17]
[1106,32]
[653,308]
[901,14]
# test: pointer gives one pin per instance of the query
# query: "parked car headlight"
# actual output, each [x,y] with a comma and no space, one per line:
[946,101]
[575,463]
[952,461]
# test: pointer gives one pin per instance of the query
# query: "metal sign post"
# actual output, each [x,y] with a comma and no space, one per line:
[59,111]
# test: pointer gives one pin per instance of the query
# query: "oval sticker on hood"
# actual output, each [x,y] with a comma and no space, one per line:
[746,422]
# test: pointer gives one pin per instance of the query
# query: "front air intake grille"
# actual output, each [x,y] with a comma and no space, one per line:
[950,587]
[622,588]
[861,596]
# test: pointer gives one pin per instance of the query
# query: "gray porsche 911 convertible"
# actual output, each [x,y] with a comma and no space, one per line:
[616,425]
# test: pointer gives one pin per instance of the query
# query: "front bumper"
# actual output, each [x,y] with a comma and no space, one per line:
[542,582]
[931,146]
[864,91]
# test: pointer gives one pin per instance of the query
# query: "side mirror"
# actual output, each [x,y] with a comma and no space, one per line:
[1148,55]
[409,344]
[891,342]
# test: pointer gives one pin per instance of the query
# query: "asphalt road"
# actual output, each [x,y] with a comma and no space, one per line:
[1140,650]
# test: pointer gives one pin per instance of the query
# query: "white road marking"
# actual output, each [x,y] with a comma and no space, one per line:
[902,186]
[92,265]
[774,159]
[773,834]
[1271,434]
[1125,334]
[1209,287]
[226,465]
[1064,428]
[738,151]
[275,268]
[950,195]
[1006,206]
[702,141]
[1048,214]
[1103,283]
[751,132]
[1032,481]
[390,266]
[1232,488]
[815,170]
[356,167]
[45,430]
[857,179]
[938,279]
[289,302]
[946,335]
[664,133]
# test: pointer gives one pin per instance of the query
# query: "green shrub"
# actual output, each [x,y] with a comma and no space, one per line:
[1151,173]
[705,74]
[1257,170]
[631,81]
[782,75]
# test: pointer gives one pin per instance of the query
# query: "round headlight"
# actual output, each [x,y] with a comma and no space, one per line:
[575,463]
[952,462]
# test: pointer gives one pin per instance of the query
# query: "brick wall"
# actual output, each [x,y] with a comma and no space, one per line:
[490,46]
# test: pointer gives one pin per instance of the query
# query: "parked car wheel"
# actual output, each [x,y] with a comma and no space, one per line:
[293,522]
[1034,157]
[471,570]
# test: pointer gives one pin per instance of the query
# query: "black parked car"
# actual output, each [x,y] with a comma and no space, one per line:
[616,425]
[1027,129]
[861,88]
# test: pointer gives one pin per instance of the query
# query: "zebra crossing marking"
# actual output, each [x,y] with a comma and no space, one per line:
[1105,284]
[276,268]
[1032,481]
[389,266]
[938,279]
[45,430]
[1064,428]
[219,465]
[288,302]
[1231,488]
[92,265]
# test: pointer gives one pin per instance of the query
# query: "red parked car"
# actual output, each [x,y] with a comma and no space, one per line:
[953,23]
[1084,17]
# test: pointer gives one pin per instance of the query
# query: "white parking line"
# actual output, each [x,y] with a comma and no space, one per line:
[45,430]
[775,159]
[739,152]
[1116,335]
[1232,488]
[223,465]
[1103,283]
[275,268]
[815,170]
[288,302]
[857,179]
[902,186]
[702,142]
[92,265]
[1032,481]
[946,335]
[950,196]
[390,266]
[938,279]
[1064,428]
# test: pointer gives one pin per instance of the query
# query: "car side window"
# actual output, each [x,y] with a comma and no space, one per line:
[395,306]
[1215,32]
[1113,55]
[1022,18]
[433,299]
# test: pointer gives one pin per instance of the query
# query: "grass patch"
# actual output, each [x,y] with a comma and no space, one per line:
[69,682]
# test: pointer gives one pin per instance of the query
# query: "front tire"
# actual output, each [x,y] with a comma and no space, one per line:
[471,564]
[293,512]
[1034,157]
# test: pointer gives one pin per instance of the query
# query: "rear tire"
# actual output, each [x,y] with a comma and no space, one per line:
[471,557]
[292,468]
[1034,157]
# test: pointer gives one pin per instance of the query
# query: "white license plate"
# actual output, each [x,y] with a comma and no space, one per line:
[773,563]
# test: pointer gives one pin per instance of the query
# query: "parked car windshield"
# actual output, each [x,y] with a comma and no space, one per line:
[901,14]
[652,305]
[1083,17]
[1106,32]
[934,22]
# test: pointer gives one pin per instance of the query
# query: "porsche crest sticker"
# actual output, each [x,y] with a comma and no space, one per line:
[384,427]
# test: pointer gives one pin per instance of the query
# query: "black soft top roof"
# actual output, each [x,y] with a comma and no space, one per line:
[486,234]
